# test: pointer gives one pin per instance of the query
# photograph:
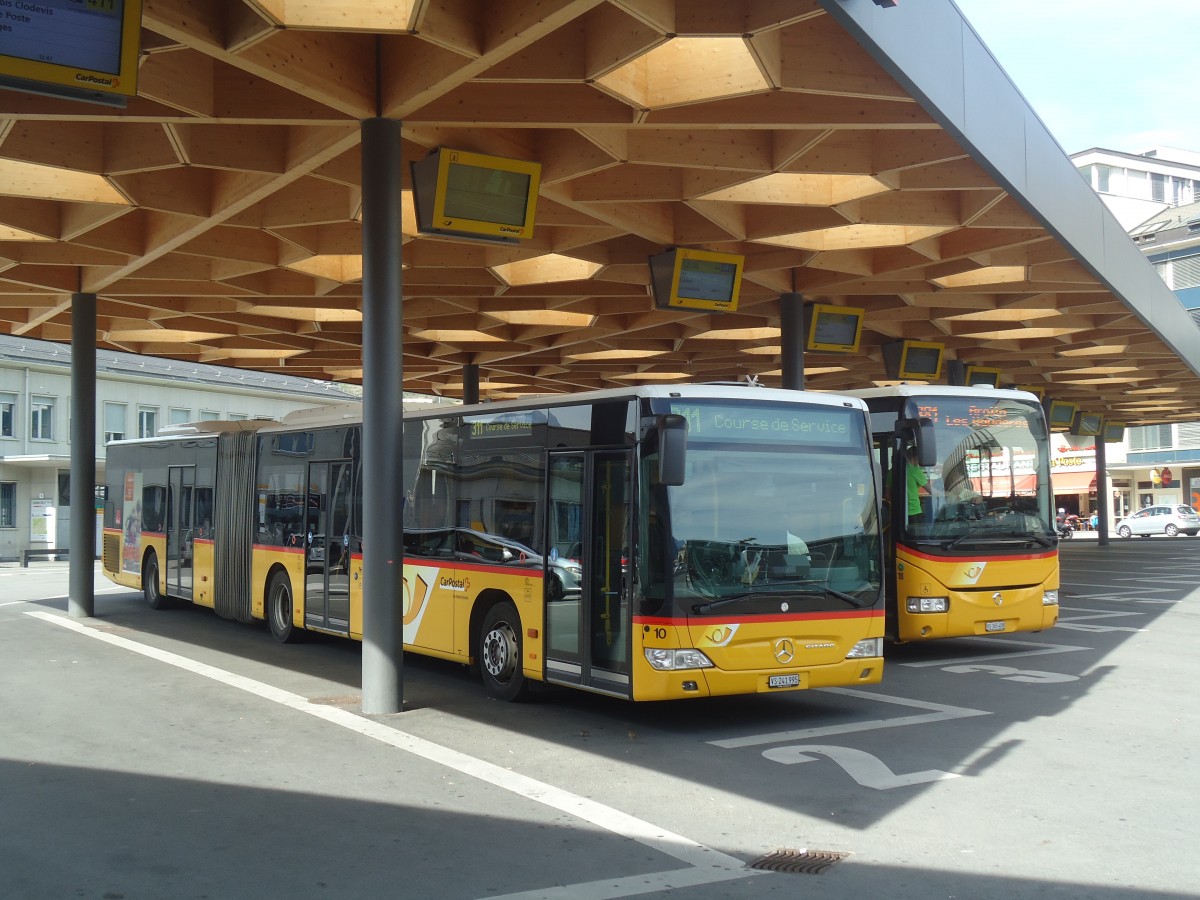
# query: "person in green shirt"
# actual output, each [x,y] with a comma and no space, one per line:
[918,479]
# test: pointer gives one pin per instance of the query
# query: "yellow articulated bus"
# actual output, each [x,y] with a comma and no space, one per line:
[970,540]
[648,543]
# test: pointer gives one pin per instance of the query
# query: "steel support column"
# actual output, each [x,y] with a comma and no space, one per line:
[81,597]
[470,383]
[383,419]
[791,340]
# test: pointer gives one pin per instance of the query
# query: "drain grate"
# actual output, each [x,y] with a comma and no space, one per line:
[799,862]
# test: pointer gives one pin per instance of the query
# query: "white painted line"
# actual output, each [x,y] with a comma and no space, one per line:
[50,599]
[707,865]
[869,771]
[634,885]
[1099,614]
[939,712]
[1041,650]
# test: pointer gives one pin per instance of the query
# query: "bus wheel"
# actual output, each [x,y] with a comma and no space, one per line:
[500,653]
[155,598]
[279,609]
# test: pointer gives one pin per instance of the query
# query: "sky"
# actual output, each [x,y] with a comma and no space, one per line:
[1115,74]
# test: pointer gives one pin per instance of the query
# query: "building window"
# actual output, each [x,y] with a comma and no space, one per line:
[8,504]
[1137,184]
[237,417]
[114,422]
[1150,437]
[178,416]
[207,415]
[1189,435]
[8,415]
[147,422]
[1158,187]
[41,418]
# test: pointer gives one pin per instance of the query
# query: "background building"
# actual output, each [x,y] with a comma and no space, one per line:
[135,396]
[1156,196]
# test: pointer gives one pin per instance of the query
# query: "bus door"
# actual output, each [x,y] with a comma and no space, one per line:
[327,547]
[181,532]
[588,618]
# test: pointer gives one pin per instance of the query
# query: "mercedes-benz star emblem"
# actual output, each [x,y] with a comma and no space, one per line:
[784,651]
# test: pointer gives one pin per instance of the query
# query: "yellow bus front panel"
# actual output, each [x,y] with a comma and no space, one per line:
[938,597]
[769,654]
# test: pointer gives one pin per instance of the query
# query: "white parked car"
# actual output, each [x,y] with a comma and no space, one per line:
[1168,520]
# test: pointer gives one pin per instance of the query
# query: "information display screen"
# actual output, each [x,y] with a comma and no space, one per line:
[703,279]
[486,195]
[683,278]
[925,361]
[834,329]
[1089,423]
[82,46]
[462,194]
[1061,414]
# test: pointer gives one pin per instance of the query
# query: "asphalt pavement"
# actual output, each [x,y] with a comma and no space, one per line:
[174,754]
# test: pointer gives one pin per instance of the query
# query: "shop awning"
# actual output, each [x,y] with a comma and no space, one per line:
[1073,482]
[1002,486]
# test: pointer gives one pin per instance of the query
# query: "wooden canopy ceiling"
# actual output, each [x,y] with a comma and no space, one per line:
[216,217]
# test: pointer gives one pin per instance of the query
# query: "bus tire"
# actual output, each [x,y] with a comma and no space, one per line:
[155,598]
[280,608]
[500,653]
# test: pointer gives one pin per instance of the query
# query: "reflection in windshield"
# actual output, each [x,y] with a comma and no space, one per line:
[774,526]
[991,481]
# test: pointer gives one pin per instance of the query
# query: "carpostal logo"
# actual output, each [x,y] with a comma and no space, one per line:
[456,584]
[972,573]
[96,79]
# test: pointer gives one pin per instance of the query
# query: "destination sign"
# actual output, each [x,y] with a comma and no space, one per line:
[778,424]
[974,415]
[500,425]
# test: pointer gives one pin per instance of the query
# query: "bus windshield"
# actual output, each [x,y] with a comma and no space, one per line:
[991,484]
[777,511]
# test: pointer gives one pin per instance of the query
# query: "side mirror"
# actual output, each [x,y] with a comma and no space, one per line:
[926,443]
[923,436]
[672,448]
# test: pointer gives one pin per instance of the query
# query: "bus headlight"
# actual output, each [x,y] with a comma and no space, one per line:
[666,660]
[868,648]
[1049,598]
[928,604]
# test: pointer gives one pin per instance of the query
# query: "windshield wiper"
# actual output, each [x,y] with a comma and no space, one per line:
[844,597]
[822,589]
[724,601]
[997,537]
